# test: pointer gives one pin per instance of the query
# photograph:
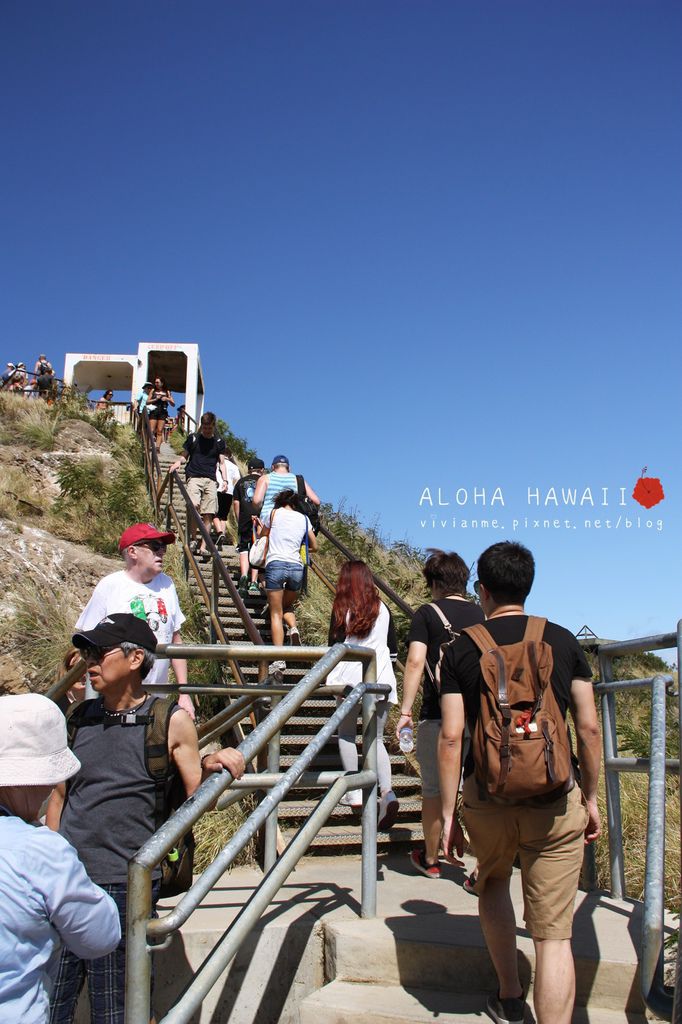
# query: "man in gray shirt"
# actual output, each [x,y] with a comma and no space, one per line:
[108,812]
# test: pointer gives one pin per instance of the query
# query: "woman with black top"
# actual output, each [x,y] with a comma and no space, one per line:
[157,407]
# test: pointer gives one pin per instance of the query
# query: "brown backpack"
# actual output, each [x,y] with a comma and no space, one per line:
[520,743]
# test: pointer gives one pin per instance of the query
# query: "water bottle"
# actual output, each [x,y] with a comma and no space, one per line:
[406,740]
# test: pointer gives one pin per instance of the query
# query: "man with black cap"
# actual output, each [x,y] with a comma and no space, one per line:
[109,811]
[245,512]
[143,589]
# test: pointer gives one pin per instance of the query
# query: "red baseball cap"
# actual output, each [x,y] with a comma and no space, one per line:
[143,531]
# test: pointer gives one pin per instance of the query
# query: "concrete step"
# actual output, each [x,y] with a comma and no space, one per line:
[436,951]
[341,1002]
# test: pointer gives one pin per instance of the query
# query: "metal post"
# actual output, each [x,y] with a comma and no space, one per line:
[138,958]
[651,969]
[612,784]
[677,1004]
[270,841]
[369,795]
[215,590]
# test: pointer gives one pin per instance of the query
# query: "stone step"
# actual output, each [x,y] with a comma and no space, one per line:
[446,951]
[341,1002]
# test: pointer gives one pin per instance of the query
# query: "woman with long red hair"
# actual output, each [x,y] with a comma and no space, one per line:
[360,618]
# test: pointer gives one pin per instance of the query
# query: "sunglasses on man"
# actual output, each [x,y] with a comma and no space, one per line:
[153,545]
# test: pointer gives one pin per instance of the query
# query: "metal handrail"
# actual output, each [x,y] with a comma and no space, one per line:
[657,996]
[381,584]
[141,926]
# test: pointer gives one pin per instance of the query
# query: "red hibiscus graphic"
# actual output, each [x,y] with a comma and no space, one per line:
[648,490]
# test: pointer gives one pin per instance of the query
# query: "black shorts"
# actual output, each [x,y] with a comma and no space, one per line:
[245,538]
[224,504]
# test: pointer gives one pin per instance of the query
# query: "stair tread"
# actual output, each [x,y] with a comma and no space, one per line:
[340,1001]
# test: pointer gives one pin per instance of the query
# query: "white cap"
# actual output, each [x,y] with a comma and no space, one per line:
[33,746]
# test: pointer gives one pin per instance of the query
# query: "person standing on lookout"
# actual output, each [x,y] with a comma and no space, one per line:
[142,589]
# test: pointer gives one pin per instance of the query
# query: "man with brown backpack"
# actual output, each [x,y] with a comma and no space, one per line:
[524,794]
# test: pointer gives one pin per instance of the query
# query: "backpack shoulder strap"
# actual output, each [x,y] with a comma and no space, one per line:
[74,718]
[535,627]
[300,485]
[447,625]
[481,637]
[157,760]
[191,443]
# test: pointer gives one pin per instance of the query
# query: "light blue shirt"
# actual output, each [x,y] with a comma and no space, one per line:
[46,898]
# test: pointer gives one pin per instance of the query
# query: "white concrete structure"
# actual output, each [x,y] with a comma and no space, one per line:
[177,363]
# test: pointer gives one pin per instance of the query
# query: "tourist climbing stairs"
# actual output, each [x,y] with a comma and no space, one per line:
[342,832]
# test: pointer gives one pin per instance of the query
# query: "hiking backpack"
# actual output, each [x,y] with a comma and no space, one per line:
[520,742]
[453,635]
[306,506]
[169,791]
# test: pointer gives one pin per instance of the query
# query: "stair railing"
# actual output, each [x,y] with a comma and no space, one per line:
[385,588]
[146,935]
[657,996]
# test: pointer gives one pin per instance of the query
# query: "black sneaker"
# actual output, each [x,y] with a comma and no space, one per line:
[506,1011]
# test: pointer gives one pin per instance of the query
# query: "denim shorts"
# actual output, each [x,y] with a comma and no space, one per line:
[279,575]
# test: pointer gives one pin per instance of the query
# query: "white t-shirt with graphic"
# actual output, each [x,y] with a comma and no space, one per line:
[156,602]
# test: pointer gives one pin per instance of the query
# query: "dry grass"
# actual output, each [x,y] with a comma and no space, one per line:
[99,498]
[42,626]
[215,829]
[633,797]
[20,497]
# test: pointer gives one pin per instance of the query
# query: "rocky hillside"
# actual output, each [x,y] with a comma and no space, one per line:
[59,478]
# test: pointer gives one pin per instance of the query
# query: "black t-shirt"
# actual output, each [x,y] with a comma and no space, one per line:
[159,400]
[204,453]
[460,671]
[428,629]
[244,491]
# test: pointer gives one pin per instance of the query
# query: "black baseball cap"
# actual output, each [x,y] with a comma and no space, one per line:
[121,627]
[256,464]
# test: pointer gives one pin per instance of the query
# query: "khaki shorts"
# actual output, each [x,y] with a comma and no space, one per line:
[203,493]
[549,841]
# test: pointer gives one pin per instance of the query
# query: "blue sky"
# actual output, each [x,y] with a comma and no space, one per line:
[424,244]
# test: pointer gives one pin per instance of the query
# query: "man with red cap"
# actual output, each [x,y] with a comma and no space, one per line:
[142,589]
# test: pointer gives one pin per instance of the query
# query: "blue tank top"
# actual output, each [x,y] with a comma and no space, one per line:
[277,482]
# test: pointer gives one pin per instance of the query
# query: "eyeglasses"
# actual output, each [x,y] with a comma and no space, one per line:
[153,545]
[92,653]
[477,588]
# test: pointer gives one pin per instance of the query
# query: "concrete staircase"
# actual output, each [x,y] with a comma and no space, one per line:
[311,960]
[342,831]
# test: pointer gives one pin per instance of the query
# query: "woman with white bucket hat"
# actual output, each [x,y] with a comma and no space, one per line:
[46,898]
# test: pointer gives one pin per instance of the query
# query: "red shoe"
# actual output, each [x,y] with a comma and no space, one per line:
[418,860]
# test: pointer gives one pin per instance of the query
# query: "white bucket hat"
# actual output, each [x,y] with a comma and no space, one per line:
[33,744]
